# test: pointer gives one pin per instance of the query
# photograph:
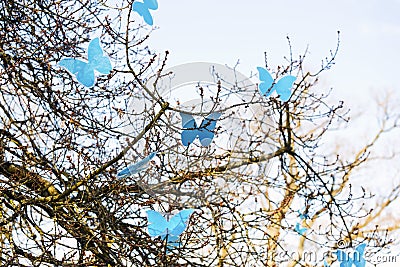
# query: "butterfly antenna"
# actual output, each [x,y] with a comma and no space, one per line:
[266,60]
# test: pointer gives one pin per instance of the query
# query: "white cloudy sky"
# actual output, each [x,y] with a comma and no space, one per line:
[226,31]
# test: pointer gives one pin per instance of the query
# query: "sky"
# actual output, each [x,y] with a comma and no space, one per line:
[228,31]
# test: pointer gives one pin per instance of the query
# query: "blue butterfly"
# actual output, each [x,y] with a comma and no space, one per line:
[168,230]
[282,87]
[357,259]
[205,132]
[143,9]
[300,230]
[137,167]
[85,71]
[302,215]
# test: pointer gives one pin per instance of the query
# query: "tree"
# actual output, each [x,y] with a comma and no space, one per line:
[62,145]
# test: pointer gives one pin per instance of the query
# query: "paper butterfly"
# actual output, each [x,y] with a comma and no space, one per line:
[168,230]
[205,132]
[282,87]
[143,9]
[137,167]
[300,230]
[357,259]
[84,71]
[303,215]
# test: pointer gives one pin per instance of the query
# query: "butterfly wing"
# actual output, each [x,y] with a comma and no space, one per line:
[190,131]
[171,245]
[96,59]
[358,258]
[124,173]
[151,4]
[360,249]
[137,167]
[303,215]
[143,10]
[157,223]
[343,258]
[177,224]
[86,76]
[73,65]
[83,71]
[300,230]
[266,81]
[172,242]
[207,127]
[347,263]
[283,87]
